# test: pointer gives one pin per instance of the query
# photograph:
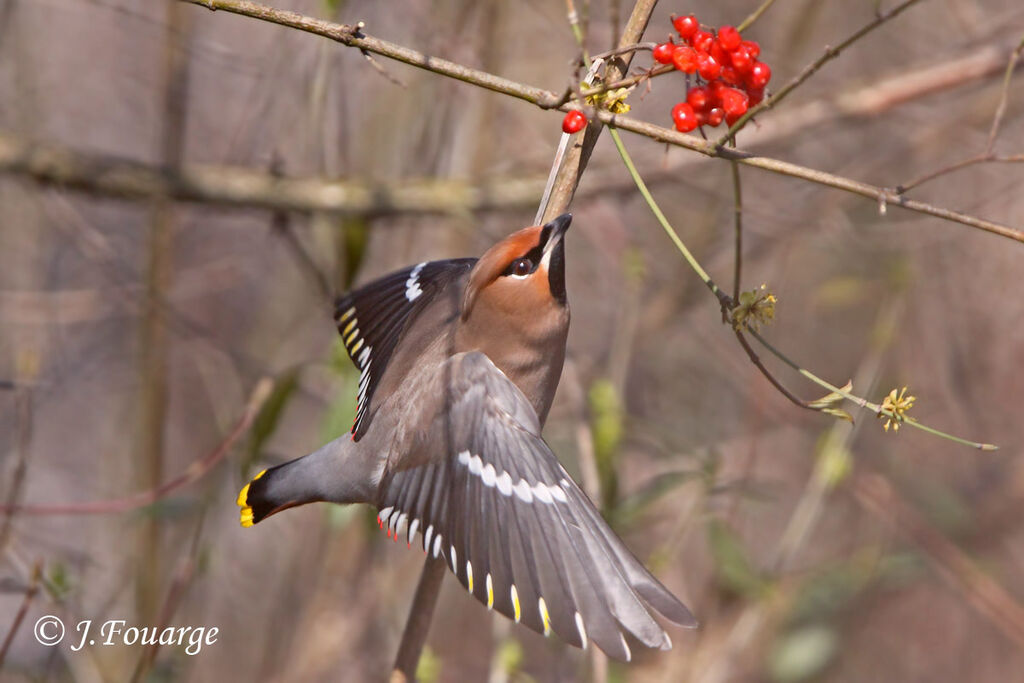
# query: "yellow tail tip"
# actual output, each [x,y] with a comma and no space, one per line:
[243,502]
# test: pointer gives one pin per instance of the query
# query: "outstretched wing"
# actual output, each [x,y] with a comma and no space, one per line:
[490,496]
[371,320]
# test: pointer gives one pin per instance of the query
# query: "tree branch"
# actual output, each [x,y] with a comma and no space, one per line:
[354,37]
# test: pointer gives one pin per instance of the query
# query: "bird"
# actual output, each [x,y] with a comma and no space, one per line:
[459,360]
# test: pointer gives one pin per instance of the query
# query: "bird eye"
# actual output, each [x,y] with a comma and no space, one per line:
[522,267]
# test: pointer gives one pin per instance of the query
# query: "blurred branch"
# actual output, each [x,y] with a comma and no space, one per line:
[354,37]
[27,370]
[153,356]
[982,592]
[418,624]
[192,473]
[989,154]
[30,594]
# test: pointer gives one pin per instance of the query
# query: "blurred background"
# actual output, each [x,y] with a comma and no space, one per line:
[133,332]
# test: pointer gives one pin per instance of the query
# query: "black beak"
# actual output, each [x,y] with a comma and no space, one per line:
[554,255]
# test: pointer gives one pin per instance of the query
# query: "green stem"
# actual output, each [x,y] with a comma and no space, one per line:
[755,15]
[864,403]
[642,186]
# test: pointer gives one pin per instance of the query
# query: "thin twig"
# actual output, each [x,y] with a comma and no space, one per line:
[1003,96]
[28,368]
[964,163]
[755,15]
[989,154]
[756,360]
[30,594]
[353,36]
[812,68]
[192,473]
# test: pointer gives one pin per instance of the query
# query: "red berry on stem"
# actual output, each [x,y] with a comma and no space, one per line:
[702,41]
[732,118]
[756,96]
[663,53]
[574,121]
[715,89]
[729,37]
[708,67]
[685,58]
[752,47]
[698,98]
[686,26]
[760,74]
[741,60]
[716,116]
[684,117]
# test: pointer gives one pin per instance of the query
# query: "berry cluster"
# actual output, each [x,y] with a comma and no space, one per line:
[733,78]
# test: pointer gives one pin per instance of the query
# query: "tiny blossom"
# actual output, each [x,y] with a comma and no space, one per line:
[755,308]
[894,408]
[612,100]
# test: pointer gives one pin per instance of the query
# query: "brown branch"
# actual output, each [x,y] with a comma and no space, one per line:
[192,473]
[235,186]
[353,36]
[418,624]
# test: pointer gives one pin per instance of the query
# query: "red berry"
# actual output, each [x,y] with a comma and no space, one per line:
[684,117]
[760,74]
[756,95]
[729,37]
[752,47]
[718,52]
[731,76]
[698,98]
[663,53]
[741,60]
[732,118]
[574,121]
[715,89]
[708,67]
[686,26]
[715,116]
[702,40]
[702,118]
[685,58]
[734,102]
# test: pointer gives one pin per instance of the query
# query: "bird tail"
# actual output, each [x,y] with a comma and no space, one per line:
[337,472]
[260,498]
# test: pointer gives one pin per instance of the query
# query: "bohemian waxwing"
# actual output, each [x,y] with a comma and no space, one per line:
[460,360]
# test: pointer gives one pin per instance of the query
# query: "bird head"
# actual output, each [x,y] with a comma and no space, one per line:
[522,275]
[515,310]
